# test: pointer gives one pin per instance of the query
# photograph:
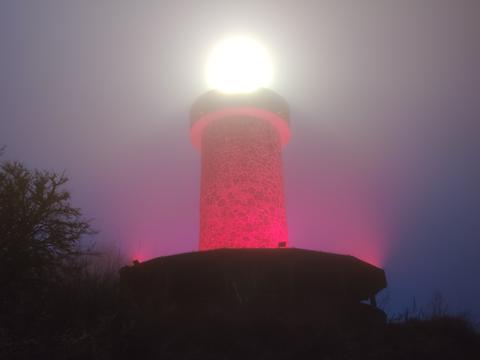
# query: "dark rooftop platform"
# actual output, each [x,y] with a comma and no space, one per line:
[229,279]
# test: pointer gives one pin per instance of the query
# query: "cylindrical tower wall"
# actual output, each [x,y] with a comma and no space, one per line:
[240,138]
[242,200]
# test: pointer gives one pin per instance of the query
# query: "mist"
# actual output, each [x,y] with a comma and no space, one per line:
[383,161]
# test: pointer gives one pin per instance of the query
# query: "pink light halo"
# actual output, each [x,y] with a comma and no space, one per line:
[278,122]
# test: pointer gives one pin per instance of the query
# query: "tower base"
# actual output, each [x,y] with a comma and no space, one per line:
[300,285]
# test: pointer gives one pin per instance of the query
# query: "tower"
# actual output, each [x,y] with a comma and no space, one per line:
[240,137]
[242,276]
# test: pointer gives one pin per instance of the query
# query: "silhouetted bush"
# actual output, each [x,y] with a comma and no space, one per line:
[72,318]
[51,291]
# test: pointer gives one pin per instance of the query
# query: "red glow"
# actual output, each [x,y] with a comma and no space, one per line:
[242,201]
[344,215]
[278,122]
[137,257]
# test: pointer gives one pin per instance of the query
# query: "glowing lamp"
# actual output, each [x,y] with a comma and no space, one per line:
[239,65]
[240,129]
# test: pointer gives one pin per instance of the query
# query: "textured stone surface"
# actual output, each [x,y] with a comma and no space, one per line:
[242,201]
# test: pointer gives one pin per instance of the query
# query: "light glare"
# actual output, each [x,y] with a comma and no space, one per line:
[239,65]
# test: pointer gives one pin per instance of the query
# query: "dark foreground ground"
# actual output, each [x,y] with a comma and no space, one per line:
[86,318]
[437,338]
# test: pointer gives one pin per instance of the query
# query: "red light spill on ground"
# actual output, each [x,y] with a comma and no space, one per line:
[360,233]
[143,246]
[136,255]
[137,258]
[343,214]
[357,236]
[242,201]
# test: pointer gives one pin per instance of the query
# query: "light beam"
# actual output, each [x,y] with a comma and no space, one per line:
[239,64]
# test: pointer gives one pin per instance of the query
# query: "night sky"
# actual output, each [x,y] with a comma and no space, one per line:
[384,159]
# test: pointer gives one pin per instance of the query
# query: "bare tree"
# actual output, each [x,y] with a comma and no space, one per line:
[40,230]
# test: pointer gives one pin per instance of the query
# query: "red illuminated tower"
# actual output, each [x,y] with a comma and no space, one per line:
[241,276]
[240,137]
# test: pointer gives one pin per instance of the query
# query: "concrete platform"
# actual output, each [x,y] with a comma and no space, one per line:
[291,282]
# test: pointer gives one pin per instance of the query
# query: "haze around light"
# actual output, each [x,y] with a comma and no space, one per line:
[384,105]
[239,64]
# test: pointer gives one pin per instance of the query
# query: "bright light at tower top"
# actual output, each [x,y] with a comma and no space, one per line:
[239,65]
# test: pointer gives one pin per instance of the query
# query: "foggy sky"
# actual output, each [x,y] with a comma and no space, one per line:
[384,157]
